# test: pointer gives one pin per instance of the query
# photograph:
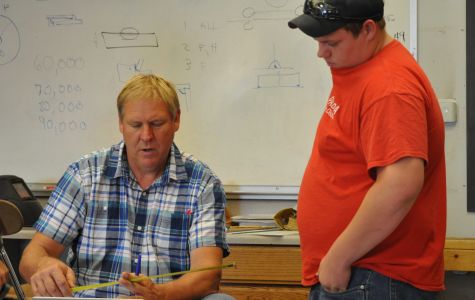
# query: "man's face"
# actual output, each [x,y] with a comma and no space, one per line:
[340,49]
[148,129]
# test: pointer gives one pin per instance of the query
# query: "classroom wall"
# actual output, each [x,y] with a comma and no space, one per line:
[248,98]
[442,54]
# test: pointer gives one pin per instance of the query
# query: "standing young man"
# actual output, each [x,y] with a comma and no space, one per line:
[372,203]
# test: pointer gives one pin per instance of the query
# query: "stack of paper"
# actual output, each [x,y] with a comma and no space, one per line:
[254,220]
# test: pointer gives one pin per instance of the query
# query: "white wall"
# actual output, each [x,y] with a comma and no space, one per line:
[442,53]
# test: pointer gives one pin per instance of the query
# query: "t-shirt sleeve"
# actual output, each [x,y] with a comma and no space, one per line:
[394,127]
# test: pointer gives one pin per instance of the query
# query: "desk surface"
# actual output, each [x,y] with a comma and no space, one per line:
[262,239]
[233,238]
[25,234]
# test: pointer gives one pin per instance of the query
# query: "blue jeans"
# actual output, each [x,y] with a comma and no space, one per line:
[369,285]
[218,296]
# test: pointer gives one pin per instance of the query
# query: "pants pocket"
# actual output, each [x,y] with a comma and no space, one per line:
[354,293]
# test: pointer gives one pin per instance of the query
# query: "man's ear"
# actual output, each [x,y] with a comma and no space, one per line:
[177,120]
[121,125]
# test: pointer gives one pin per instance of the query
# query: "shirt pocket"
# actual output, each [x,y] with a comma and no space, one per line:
[171,233]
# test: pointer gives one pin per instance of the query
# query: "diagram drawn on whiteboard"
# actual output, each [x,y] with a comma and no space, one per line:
[129,37]
[250,15]
[184,91]
[126,71]
[59,20]
[9,40]
[277,3]
[275,76]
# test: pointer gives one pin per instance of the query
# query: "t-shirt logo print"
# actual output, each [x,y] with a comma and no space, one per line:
[332,107]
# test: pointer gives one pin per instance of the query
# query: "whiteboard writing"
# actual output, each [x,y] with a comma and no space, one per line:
[251,90]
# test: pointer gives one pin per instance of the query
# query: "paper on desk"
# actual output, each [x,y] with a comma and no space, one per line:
[253,217]
[274,233]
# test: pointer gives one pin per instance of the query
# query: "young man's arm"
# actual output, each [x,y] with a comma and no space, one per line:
[385,205]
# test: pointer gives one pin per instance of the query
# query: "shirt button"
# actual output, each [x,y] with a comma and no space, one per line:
[136,260]
[139,227]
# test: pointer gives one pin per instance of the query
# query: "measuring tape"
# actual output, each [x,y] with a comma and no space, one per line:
[140,278]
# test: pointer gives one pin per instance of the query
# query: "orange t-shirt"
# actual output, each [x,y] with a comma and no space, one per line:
[377,113]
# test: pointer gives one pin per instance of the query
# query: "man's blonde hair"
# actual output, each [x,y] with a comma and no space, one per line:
[152,87]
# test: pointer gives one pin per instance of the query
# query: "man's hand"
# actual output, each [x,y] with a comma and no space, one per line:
[334,277]
[145,288]
[192,285]
[52,278]
[3,274]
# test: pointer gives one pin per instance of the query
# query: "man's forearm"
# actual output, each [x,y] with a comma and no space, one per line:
[39,248]
[192,285]
[30,259]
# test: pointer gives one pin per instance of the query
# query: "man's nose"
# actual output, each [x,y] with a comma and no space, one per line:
[146,133]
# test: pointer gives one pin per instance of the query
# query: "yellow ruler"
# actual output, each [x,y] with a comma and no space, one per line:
[140,278]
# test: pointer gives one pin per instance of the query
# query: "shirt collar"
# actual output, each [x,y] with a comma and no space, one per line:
[117,166]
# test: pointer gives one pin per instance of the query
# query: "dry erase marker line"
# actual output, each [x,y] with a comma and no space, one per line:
[137,279]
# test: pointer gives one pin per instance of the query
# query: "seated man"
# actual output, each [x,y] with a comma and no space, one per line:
[139,197]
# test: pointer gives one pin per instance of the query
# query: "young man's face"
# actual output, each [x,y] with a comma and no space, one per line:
[341,49]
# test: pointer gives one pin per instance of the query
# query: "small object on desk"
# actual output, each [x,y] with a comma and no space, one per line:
[249,229]
[49,187]
[278,233]
[287,219]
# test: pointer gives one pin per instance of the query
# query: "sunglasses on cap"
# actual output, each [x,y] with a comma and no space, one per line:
[319,9]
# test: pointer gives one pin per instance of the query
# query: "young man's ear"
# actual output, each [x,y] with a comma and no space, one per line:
[369,28]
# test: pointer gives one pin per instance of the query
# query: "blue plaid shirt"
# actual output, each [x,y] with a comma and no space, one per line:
[99,211]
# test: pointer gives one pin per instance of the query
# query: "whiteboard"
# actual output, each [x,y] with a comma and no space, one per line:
[251,89]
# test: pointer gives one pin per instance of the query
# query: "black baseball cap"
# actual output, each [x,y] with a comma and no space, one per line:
[321,17]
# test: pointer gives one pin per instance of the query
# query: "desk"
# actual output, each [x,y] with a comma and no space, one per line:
[25,234]
[269,267]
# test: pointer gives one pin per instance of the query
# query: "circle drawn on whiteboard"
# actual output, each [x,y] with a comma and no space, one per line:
[276,3]
[248,12]
[129,33]
[9,40]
